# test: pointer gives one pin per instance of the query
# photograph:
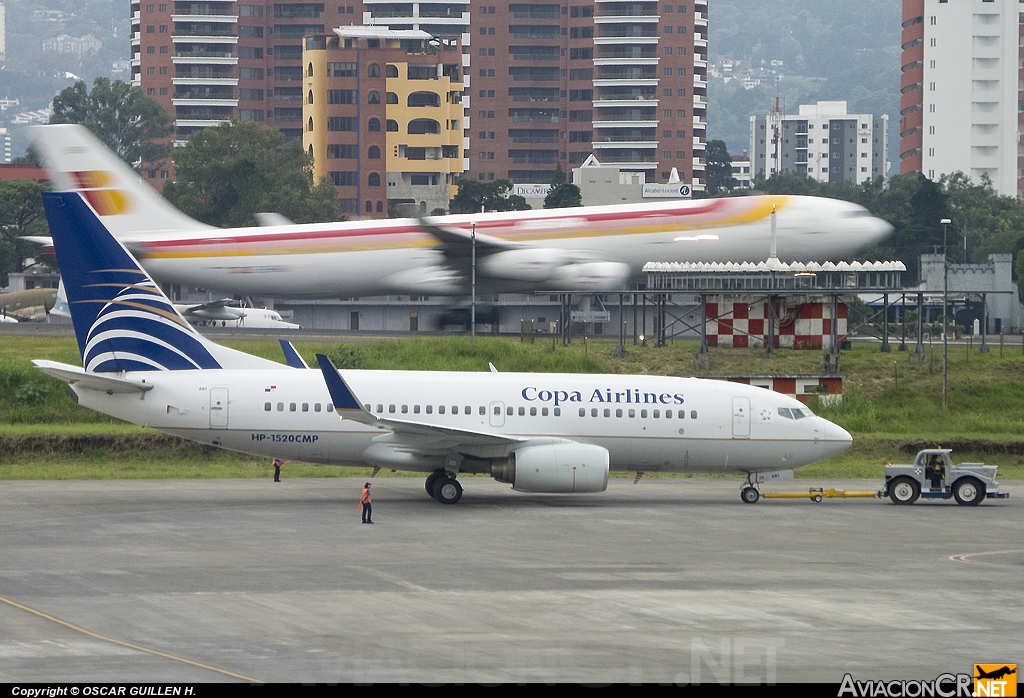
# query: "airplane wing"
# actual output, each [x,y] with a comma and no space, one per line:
[77,377]
[458,244]
[411,436]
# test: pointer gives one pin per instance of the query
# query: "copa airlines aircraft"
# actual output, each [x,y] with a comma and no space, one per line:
[539,432]
[582,249]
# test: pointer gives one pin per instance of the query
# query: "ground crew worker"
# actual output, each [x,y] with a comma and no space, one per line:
[277,469]
[365,504]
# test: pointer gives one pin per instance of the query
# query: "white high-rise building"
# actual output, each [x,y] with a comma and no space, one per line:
[959,86]
[3,31]
[823,141]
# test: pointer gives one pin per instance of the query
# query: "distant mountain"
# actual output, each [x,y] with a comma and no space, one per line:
[829,50]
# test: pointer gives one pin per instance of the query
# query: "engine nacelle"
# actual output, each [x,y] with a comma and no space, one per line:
[527,264]
[558,468]
[591,276]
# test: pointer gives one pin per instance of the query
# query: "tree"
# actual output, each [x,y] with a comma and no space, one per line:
[21,214]
[121,116]
[227,174]
[563,194]
[718,168]
[475,196]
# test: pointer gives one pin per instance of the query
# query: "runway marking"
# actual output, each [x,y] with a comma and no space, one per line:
[393,579]
[967,558]
[129,645]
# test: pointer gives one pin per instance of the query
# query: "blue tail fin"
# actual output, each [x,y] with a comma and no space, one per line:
[123,322]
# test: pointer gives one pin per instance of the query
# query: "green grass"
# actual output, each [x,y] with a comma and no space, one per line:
[889,404]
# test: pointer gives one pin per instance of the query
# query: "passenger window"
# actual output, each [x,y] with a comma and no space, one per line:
[380,408]
[618,413]
[497,410]
[593,412]
[467,410]
[330,407]
[455,409]
[558,411]
[509,411]
[668,414]
[430,409]
[440,409]
[522,411]
[305,407]
[316,407]
[543,411]
[583,411]
[693,414]
[643,414]
[483,410]
[266,407]
[415,409]
[607,412]
[632,413]
[280,407]
[656,414]
[391,409]
[533,411]
[405,409]
[291,406]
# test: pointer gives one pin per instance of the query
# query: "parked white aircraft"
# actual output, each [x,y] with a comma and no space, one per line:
[221,313]
[540,432]
[590,248]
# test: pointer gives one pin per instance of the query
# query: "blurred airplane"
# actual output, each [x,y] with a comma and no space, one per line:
[576,249]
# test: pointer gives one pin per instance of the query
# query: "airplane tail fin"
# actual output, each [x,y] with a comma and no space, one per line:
[123,322]
[128,207]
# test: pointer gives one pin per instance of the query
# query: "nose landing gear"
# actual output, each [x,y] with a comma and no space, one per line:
[749,492]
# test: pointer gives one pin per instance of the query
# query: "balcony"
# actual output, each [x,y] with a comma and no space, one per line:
[629,40]
[630,102]
[213,19]
[627,82]
[203,102]
[203,60]
[205,81]
[619,19]
[198,123]
[625,124]
[650,60]
[624,144]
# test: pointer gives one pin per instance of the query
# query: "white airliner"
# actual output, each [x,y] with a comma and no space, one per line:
[539,432]
[221,313]
[590,248]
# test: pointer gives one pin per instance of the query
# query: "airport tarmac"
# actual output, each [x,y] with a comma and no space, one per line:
[665,581]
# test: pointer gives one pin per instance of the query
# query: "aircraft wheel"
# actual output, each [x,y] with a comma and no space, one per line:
[447,490]
[968,491]
[904,490]
[750,495]
[432,479]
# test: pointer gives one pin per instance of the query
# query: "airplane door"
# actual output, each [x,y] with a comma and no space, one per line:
[497,412]
[218,408]
[741,417]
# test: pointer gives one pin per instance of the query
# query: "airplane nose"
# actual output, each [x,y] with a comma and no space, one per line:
[837,439]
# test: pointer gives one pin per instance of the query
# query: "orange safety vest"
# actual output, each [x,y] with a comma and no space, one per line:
[365,498]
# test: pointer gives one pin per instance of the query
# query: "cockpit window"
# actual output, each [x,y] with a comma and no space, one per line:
[795,413]
[785,412]
[859,213]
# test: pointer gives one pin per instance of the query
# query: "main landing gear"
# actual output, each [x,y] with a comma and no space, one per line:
[443,487]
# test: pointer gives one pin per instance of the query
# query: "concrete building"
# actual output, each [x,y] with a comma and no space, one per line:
[552,84]
[959,105]
[3,31]
[822,141]
[383,117]
[992,279]
[77,46]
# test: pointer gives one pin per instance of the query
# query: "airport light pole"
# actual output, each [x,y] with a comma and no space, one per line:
[945,312]
[472,283]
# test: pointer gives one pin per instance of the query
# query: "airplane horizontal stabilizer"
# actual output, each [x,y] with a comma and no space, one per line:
[72,375]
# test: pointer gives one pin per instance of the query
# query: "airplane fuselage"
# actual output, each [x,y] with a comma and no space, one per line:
[381,257]
[646,423]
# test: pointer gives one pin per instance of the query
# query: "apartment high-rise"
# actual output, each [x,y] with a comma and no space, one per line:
[383,118]
[822,141]
[959,104]
[545,84]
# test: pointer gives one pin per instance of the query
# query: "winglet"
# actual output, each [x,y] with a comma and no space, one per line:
[341,395]
[291,356]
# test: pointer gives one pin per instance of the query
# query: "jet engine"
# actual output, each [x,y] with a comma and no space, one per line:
[591,276]
[527,264]
[558,468]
